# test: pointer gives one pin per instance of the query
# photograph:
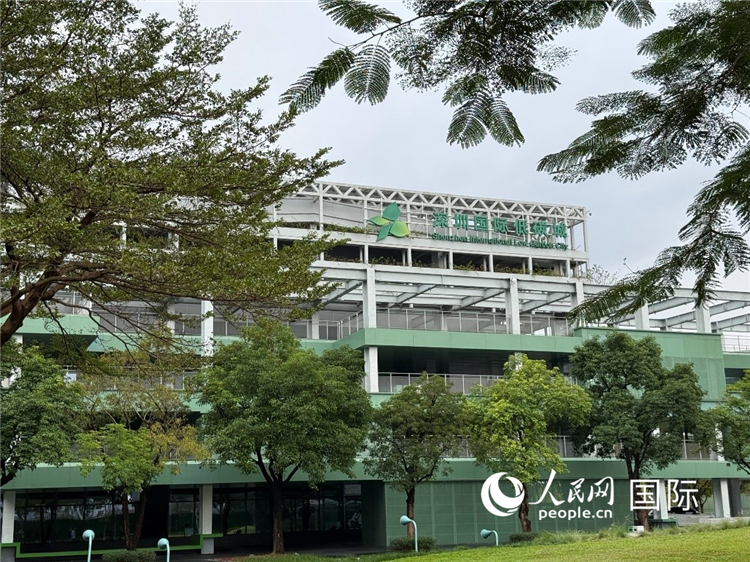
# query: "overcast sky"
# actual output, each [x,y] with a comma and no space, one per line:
[400,143]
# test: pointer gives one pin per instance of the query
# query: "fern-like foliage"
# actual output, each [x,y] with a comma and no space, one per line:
[356,15]
[701,70]
[307,92]
[370,75]
[478,113]
[508,44]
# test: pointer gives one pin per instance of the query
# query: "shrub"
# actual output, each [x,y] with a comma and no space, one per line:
[405,544]
[129,556]
[523,537]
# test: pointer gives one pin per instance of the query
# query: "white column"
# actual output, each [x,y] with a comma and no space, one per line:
[492,263]
[9,509]
[207,329]
[567,268]
[450,260]
[205,522]
[530,265]
[663,497]
[371,369]
[642,318]
[369,300]
[721,497]
[512,314]
[314,327]
[703,319]
[408,257]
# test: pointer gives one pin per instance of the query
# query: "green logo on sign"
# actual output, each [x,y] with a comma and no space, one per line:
[389,223]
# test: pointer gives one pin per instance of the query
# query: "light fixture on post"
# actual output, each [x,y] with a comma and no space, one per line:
[405,521]
[88,535]
[486,533]
[163,544]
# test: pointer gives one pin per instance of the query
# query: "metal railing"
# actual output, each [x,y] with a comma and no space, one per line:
[461,384]
[472,322]
[735,343]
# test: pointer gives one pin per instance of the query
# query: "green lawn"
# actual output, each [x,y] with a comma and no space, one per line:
[731,545]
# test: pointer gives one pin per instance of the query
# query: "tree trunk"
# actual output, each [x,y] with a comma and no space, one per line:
[410,511]
[140,512]
[642,516]
[126,521]
[523,512]
[277,533]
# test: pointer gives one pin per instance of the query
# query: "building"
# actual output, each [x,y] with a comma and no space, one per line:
[450,285]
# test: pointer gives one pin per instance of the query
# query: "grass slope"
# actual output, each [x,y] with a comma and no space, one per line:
[714,545]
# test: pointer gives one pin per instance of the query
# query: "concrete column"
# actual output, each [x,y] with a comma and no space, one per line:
[492,263]
[366,254]
[567,268]
[408,257]
[703,319]
[642,318]
[663,503]
[371,369]
[369,300]
[530,265]
[207,329]
[721,497]
[512,314]
[314,327]
[9,510]
[205,522]
[450,260]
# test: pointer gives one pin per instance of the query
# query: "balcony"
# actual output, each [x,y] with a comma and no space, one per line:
[735,343]
[461,384]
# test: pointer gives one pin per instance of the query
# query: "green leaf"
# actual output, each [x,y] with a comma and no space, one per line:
[370,76]
[357,15]
[399,229]
[503,126]
[384,231]
[392,212]
[380,221]
[634,13]
[308,91]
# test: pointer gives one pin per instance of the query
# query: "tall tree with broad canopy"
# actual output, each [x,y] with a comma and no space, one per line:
[40,412]
[139,422]
[641,411]
[412,434]
[476,52]
[697,106]
[732,419]
[512,423]
[280,410]
[126,174]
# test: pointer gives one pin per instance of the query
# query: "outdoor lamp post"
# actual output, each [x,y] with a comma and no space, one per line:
[163,544]
[405,521]
[88,535]
[485,534]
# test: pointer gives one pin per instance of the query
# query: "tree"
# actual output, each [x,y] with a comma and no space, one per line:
[39,412]
[512,421]
[475,51]
[139,424]
[280,410]
[600,276]
[641,411]
[412,434]
[125,174]
[732,417]
[700,70]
